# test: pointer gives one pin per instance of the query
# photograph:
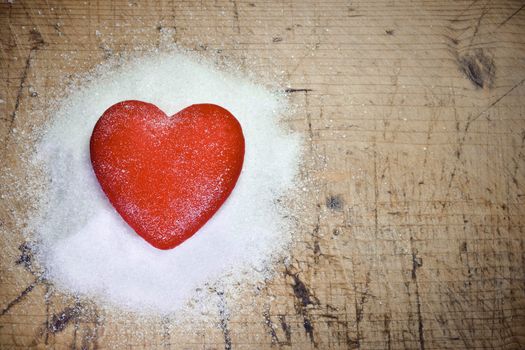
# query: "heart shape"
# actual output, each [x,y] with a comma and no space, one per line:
[166,176]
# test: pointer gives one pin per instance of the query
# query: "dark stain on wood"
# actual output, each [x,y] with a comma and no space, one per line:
[36,39]
[479,68]
[301,292]
[292,90]
[304,298]
[335,203]
[60,321]
[308,327]
[389,32]
[416,263]
[26,256]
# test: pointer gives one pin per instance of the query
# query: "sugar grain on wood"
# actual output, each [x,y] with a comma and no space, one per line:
[87,249]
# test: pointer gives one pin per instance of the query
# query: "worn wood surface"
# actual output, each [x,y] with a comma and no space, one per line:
[414,113]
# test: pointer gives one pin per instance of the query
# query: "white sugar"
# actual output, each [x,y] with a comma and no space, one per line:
[87,249]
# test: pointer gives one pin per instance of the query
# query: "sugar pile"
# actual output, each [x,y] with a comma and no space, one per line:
[86,248]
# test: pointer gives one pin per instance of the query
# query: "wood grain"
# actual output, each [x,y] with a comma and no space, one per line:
[415,123]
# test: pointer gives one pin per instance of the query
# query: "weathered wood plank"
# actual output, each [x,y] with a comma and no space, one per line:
[414,118]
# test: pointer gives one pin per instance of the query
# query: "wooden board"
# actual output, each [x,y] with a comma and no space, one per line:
[415,119]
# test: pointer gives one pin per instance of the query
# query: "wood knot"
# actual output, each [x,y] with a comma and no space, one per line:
[479,68]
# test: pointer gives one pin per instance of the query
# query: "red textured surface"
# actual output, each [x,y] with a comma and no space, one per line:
[166,176]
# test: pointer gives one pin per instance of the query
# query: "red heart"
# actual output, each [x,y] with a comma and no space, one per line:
[166,176]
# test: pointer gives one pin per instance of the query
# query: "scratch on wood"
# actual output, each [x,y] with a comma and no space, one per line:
[20,89]
[36,42]
[292,90]
[359,307]
[224,320]
[376,194]
[476,29]
[47,298]
[417,263]
[388,332]
[236,16]
[286,329]
[91,324]
[511,16]
[76,327]
[270,325]
[463,252]
[166,330]
[315,235]
[96,330]
[470,121]
[19,297]
[308,116]
[356,342]
[304,298]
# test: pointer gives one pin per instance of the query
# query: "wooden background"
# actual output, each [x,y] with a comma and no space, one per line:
[414,115]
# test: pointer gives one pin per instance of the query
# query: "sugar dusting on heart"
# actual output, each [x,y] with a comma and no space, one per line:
[84,246]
